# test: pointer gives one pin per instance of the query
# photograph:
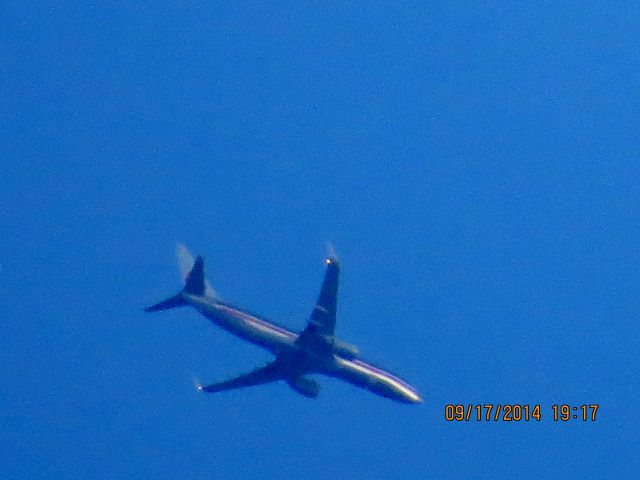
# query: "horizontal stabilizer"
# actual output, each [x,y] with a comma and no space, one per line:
[173,302]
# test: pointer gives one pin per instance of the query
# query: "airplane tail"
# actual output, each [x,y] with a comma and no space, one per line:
[173,302]
[194,281]
[187,265]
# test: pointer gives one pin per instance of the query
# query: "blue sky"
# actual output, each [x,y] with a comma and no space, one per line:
[475,167]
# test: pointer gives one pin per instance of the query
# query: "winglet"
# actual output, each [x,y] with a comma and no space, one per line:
[331,255]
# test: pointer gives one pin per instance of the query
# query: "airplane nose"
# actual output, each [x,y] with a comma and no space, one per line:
[409,395]
[414,398]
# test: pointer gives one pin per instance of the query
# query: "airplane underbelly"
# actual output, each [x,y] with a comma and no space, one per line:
[252,329]
[373,379]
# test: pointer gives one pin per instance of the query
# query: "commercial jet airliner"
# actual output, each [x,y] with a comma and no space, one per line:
[315,350]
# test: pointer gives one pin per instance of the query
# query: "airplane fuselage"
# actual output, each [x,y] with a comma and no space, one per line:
[285,343]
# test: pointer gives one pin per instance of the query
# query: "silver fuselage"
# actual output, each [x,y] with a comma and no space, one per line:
[283,342]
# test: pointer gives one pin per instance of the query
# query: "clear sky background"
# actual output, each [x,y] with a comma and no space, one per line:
[475,166]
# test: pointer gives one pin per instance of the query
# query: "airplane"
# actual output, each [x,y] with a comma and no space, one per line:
[315,350]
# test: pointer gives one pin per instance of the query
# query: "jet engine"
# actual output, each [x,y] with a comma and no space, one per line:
[304,386]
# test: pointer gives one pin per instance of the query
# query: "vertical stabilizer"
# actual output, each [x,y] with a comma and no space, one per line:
[194,284]
[186,263]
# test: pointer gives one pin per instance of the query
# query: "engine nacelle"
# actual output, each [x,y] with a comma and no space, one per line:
[305,386]
[346,350]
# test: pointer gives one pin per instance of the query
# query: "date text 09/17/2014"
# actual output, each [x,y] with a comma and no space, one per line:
[488,412]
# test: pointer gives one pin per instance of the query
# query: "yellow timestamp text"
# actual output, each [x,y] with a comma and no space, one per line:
[498,412]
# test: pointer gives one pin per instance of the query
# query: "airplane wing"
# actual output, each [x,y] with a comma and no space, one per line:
[270,373]
[323,317]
